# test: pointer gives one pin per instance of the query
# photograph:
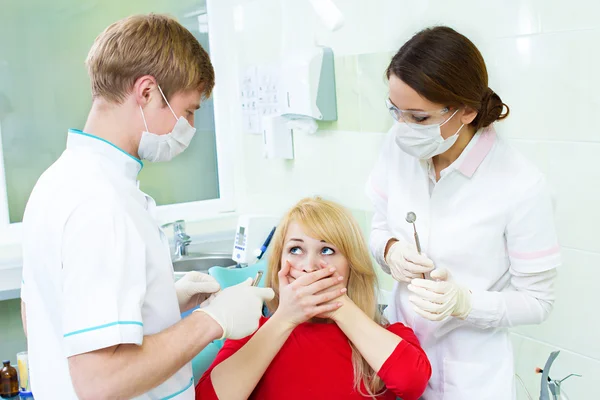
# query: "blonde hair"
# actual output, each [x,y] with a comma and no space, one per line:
[152,44]
[328,221]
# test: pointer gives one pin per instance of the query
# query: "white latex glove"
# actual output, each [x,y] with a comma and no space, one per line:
[440,297]
[406,263]
[238,309]
[194,288]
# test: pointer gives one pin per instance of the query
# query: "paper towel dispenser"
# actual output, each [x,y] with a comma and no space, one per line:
[306,95]
[308,84]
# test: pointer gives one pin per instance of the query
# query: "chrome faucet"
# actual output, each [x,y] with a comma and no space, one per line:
[182,239]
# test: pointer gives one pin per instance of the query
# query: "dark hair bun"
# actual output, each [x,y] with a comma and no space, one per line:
[491,110]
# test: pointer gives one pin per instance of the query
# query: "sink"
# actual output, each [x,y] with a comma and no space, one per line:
[201,262]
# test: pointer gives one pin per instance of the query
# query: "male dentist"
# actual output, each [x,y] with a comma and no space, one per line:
[102,309]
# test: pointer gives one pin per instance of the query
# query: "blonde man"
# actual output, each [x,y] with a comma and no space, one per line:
[103,314]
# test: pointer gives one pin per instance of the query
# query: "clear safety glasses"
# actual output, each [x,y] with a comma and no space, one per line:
[419,119]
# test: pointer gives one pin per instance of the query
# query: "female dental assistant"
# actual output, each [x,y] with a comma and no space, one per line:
[484,218]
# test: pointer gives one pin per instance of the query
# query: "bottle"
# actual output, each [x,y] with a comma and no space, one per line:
[9,382]
[23,370]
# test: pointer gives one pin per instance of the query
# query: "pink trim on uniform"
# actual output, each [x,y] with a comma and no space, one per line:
[378,191]
[536,254]
[478,153]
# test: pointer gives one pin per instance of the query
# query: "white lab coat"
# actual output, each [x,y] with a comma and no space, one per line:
[489,221]
[96,267]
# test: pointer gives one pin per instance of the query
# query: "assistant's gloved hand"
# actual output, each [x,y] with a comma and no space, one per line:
[237,309]
[406,263]
[194,288]
[440,297]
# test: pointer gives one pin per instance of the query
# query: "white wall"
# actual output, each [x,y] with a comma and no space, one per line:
[544,61]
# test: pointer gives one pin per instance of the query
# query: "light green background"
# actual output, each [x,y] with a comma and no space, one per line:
[44,90]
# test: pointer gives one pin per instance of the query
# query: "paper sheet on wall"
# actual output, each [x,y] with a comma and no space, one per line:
[259,96]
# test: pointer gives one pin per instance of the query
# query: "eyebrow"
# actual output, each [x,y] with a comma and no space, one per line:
[196,106]
[408,109]
[300,240]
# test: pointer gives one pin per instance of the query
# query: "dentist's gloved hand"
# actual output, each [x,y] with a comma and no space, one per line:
[194,288]
[440,297]
[237,309]
[406,263]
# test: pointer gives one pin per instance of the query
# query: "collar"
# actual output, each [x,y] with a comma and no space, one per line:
[123,161]
[473,155]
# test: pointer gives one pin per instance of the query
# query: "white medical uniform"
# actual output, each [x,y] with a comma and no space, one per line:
[489,221]
[96,267]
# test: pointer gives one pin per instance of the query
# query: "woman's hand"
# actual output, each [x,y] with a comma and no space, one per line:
[307,296]
[343,300]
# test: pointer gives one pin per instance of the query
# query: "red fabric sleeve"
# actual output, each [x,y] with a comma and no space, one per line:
[205,389]
[407,370]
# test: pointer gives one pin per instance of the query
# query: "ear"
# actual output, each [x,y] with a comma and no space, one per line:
[468,115]
[144,89]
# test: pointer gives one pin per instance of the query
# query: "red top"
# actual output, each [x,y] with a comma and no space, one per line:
[316,363]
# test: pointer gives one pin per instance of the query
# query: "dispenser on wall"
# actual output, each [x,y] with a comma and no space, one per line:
[308,85]
[306,94]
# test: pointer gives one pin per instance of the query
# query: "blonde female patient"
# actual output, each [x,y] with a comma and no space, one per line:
[325,338]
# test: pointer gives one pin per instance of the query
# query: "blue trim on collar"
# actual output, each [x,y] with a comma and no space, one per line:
[80,132]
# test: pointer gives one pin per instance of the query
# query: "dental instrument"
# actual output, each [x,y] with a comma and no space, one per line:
[411,217]
[263,248]
[256,280]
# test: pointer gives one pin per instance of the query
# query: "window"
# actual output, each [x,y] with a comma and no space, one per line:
[44,90]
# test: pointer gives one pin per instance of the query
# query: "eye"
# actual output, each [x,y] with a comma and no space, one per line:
[327,251]
[419,118]
[190,113]
[296,250]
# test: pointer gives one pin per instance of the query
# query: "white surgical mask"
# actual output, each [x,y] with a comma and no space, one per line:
[424,141]
[155,148]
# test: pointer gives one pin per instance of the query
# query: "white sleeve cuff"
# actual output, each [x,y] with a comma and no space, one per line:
[103,336]
[535,262]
